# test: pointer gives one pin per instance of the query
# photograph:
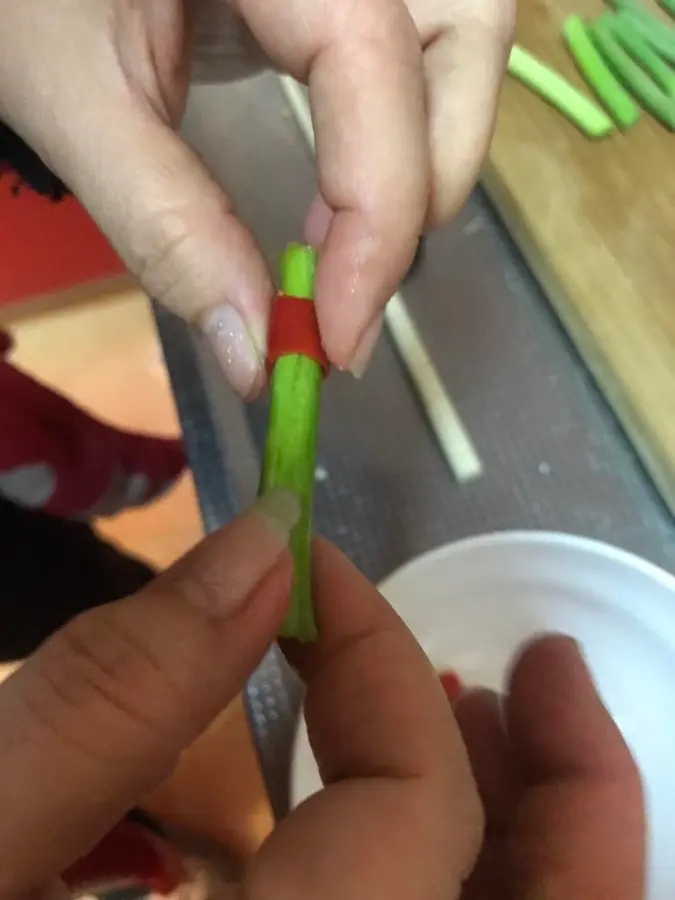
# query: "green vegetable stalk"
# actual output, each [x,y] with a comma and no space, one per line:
[641,51]
[290,450]
[616,100]
[635,79]
[549,84]
[657,33]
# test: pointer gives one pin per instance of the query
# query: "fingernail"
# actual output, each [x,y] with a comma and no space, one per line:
[577,654]
[240,355]
[317,223]
[252,545]
[281,511]
[568,650]
[562,643]
[365,348]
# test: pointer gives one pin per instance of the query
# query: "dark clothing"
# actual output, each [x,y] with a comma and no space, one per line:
[53,569]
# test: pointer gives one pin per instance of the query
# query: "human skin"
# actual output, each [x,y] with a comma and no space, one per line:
[420,800]
[403,97]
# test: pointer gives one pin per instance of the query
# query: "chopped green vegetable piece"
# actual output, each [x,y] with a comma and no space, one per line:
[611,93]
[545,81]
[638,47]
[641,13]
[660,105]
[663,45]
[290,449]
[668,6]
[659,34]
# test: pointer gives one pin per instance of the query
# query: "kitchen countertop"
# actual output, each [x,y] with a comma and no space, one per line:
[553,452]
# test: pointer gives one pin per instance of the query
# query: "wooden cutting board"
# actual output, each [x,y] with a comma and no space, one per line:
[596,223]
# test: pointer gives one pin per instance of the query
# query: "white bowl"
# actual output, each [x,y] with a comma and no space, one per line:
[473,603]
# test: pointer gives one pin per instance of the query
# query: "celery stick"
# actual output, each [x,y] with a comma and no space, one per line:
[660,105]
[616,100]
[639,49]
[588,117]
[290,448]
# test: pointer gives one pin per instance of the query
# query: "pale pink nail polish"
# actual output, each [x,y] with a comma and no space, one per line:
[366,347]
[258,537]
[240,357]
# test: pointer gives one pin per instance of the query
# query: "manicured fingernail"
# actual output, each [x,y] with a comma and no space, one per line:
[240,355]
[318,221]
[255,542]
[281,511]
[365,348]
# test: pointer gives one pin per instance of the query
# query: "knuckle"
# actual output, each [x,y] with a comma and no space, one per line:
[95,672]
[173,259]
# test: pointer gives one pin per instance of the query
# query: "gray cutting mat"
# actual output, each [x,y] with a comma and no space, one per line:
[554,456]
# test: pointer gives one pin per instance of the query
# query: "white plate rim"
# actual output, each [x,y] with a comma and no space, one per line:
[662,580]
[564,539]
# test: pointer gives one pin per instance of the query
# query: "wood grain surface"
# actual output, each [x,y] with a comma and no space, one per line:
[596,223]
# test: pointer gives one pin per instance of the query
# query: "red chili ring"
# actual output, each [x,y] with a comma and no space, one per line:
[294,330]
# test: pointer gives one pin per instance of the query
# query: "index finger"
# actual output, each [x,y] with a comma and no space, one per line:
[362,62]
[400,802]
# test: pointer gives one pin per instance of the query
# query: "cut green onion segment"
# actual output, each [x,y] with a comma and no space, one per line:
[668,6]
[652,98]
[641,13]
[614,97]
[659,34]
[638,47]
[552,87]
[290,449]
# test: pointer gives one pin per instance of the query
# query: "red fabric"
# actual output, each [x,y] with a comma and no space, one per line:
[128,855]
[96,469]
[294,330]
[47,246]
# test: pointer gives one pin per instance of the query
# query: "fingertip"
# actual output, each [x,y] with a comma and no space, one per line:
[317,222]
[556,716]
[545,649]
[471,43]
[480,716]
[360,268]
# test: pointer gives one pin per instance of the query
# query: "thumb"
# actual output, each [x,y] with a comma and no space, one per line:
[99,715]
[94,89]
[580,826]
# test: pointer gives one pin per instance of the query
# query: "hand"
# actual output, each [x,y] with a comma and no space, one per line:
[565,814]
[98,86]
[99,715]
